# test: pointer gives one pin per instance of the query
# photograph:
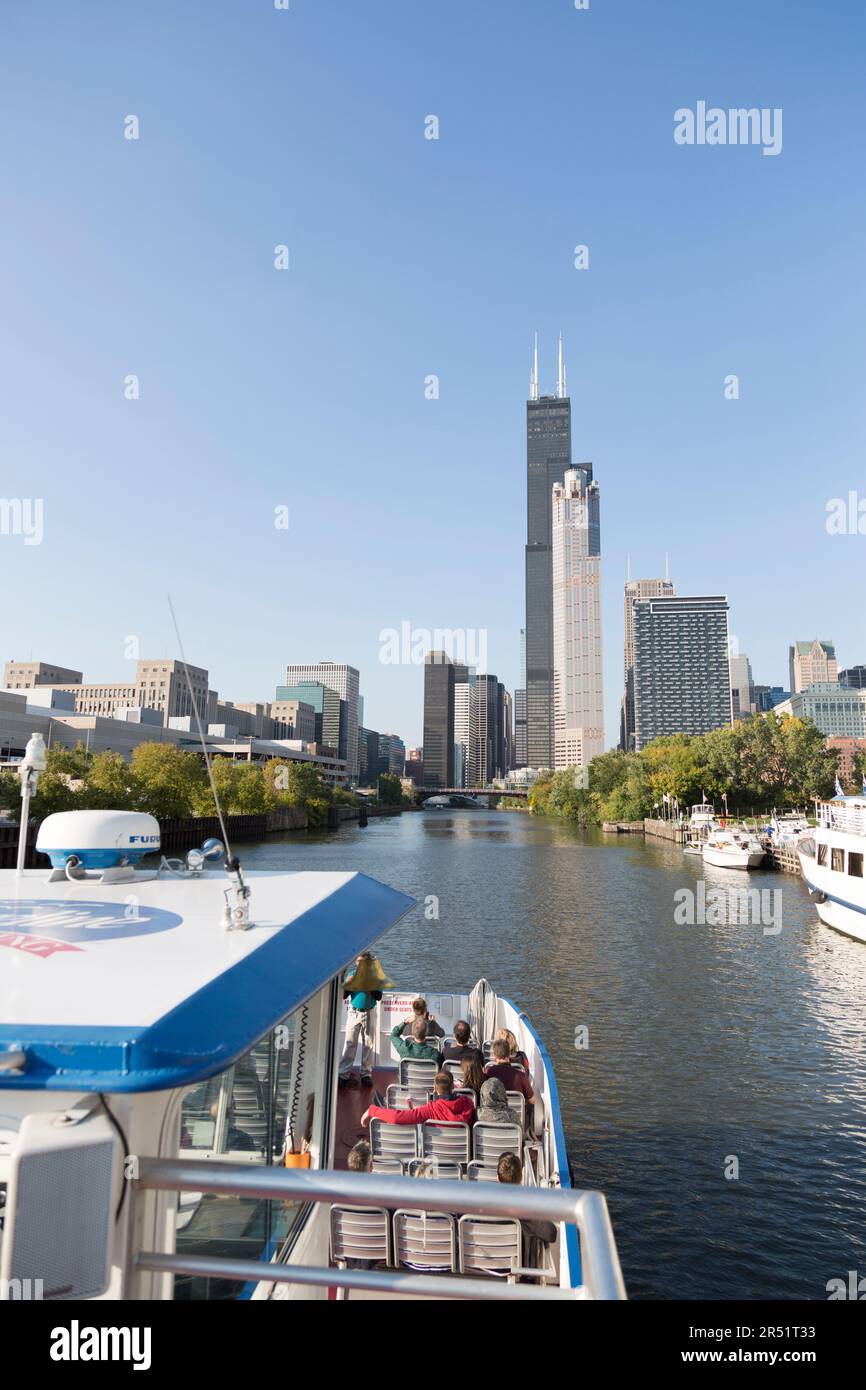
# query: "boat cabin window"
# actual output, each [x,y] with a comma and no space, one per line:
[838,861]
[822,854]
[855,864]
[243,1116]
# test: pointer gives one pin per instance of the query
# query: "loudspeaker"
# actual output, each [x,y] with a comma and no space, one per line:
[60,1202]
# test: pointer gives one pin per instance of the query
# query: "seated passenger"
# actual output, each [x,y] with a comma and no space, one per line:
[472,1067]
[514,1053]
[494,1107]
[417,1047]
[510,1169]
[419,1010]
[360,1158]
[511,1078]
[443,1106]
[456,1051]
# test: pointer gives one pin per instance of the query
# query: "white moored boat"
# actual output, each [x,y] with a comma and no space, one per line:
[732,847]
[171,1124]
[788,828]
[832,862]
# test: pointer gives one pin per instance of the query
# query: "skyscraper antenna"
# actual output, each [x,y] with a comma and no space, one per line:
[533,375]
[560,385]
[628,567]
[667,567]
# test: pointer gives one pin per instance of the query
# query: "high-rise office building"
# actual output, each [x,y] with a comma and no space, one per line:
[438,720]
[742,688]
[548,456]
[330,712]
[811,663]
[345,680]
[520,708]
[681,673]
[635,589]
[507,732]
[491,730]
[577,649]
[854,678]
[466,728]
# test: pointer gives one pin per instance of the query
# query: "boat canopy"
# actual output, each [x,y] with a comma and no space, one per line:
[134,986]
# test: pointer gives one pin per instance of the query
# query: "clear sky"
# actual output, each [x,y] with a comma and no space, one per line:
[305,388]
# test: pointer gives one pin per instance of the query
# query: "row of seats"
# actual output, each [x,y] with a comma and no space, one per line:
[432,1241]
[452,1141]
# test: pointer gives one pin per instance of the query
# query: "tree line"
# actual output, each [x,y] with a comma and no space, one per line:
[761,762]
[171,784]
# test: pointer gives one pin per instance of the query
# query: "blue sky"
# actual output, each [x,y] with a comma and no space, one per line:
[410,257]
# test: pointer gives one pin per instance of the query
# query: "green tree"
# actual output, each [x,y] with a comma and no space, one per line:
[112,785]
[390,792]
[171,780]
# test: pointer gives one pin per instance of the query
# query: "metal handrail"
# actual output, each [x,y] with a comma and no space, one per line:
[602,1276]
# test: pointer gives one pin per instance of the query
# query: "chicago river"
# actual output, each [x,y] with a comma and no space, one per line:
[711,1049]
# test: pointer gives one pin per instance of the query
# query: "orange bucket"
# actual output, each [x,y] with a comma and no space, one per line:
[298,1160]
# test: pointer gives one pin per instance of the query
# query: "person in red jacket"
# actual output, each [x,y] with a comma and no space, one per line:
[443,1106]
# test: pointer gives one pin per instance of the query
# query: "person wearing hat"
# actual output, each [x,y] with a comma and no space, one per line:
[363,986]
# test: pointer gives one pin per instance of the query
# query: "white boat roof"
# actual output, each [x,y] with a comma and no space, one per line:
[135,986]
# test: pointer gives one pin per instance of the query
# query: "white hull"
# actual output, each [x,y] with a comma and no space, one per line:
[840,900]
[731,858]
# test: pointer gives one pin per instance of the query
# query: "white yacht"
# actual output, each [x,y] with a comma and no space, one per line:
[788,828]
[171,1125]
[732,847]
[832,864]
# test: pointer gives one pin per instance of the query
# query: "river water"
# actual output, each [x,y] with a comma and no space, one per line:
[712,1048]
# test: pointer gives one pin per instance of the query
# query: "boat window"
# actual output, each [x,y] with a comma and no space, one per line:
[838,861]
[855,864]
[822,854]
[243,1116]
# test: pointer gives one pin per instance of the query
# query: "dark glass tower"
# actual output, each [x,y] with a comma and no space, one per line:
[438,720]
[548,455]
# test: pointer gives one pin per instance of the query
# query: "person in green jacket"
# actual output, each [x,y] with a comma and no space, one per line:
[363,985]
[417,1046]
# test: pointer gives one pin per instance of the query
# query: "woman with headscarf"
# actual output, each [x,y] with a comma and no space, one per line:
[494,1108]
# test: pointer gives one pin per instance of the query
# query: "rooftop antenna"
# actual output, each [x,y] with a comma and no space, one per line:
[236,915]
[533,375]
[628,568]
[560,386]
[667,568]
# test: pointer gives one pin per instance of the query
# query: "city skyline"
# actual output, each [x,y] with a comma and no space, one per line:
[155,259]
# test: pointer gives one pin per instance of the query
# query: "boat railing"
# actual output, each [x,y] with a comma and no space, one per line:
[839,815]
[587,1210]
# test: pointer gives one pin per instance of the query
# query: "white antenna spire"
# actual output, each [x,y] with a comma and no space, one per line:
[533,375]
[560,386]
[667,567]
[628,567]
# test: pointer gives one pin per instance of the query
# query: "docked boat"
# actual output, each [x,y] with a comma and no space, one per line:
[702,820]
[832,862]
[732,847]
[171,1124]
[788,828]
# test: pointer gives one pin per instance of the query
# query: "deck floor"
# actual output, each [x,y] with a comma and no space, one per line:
[351,1104]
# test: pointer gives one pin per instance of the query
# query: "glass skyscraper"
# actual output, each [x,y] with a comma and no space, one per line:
[548,456]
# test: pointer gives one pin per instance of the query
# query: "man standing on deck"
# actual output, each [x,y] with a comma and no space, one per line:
[362,986]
